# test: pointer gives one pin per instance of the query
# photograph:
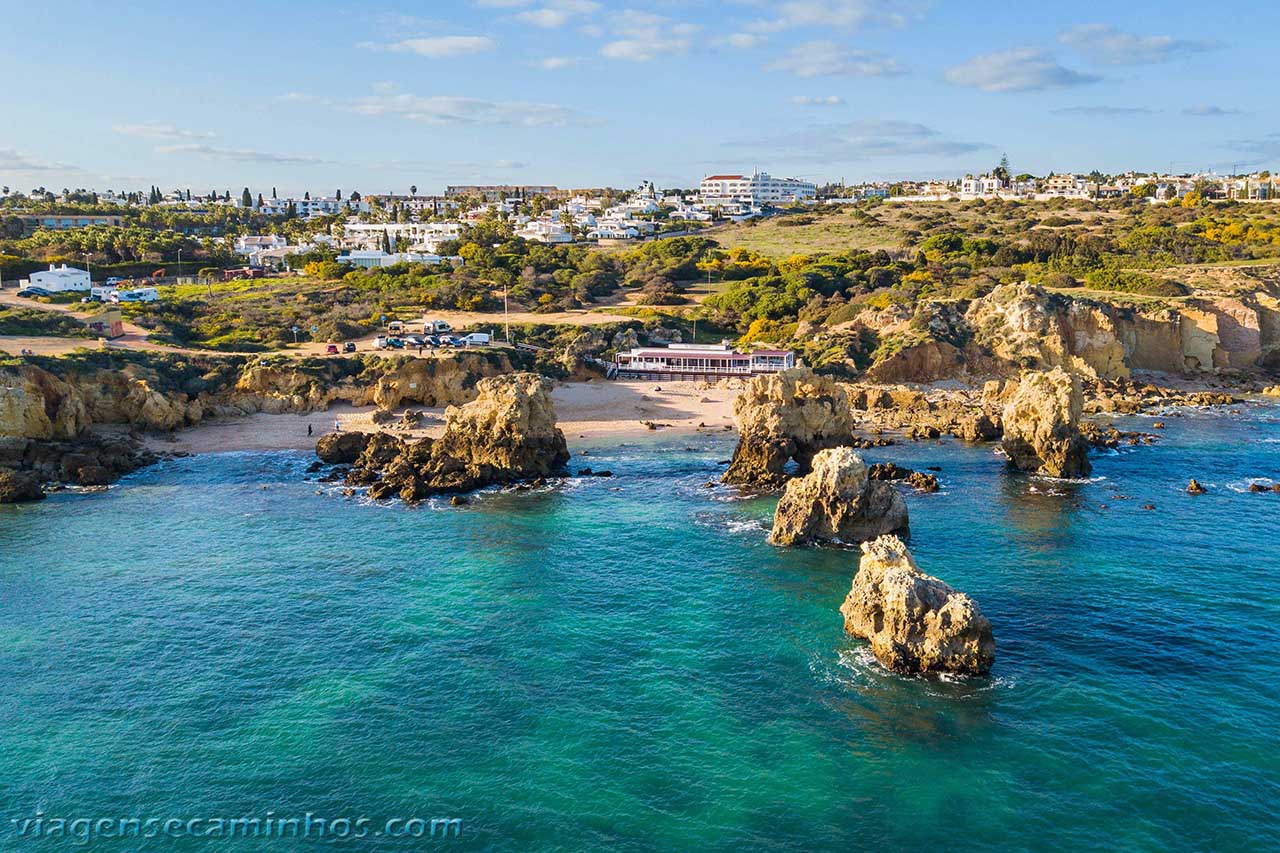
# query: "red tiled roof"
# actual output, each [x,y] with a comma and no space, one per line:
[723,178]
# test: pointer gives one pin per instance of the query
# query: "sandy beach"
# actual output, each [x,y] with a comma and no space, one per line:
[586,411]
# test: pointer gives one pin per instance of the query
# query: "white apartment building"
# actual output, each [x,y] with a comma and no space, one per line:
[374,259]
[422,236]
[758,188]
[309,208]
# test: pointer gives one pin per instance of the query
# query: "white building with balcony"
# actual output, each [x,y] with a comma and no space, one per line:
[758,188]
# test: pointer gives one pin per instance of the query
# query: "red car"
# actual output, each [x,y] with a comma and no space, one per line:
[331,349]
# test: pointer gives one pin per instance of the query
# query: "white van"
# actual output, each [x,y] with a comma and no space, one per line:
[476,339]
[141,294]
[103,293]
[395,327]
[436,327]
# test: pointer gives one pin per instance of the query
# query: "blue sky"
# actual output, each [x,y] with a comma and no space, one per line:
[378,97]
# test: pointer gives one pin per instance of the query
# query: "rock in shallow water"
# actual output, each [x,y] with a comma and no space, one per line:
[837,502]
[915,622]
[784,416]
[1042,425]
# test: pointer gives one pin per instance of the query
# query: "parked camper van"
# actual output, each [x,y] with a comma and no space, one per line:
[436,327]
[476,339]
[103,293]
[141,294]
[395,327]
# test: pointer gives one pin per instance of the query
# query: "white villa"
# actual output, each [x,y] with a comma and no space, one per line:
[372,259]
[541,231]
[422,236]
[58,279]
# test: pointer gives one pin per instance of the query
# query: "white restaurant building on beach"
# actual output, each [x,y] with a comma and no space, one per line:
[699,361]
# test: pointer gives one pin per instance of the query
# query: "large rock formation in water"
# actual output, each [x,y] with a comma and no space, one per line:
[915,623]
[1042,425]
[785,416]
[837,502]
[507,434]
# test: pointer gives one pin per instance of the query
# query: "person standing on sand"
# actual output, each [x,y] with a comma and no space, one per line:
[308,430]
[419,350]
[337,425]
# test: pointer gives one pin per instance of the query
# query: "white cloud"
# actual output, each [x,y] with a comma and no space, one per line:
[1210,111]
[237,155]
[819,101]
[1107,44]
[445,109]
[12,160]
[642,36]
[743,41]
[160,130]
[510,164]
[863,140]
[835,14]
[438,47]
[557,13]
[555,63]
[829,58]
[1021,70]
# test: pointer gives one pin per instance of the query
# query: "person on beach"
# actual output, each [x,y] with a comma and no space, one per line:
[308,430]
[337,426]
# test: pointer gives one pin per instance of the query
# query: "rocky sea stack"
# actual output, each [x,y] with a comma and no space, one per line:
[788,415]
[1042,425]
[837,502]
[915,623]
[507,434]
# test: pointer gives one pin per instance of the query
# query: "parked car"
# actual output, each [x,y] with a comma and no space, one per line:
[331,349]
[380,342]
[432,341]
[349,346]
[415,341]
[33,292]
[450,341]
[476,339]
[395,343]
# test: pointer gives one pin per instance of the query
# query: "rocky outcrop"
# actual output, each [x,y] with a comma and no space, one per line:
[1023,325]
[837,502]
[36,404]
[341,448]
[1042,425]
[19,487]
[87,460]
[915,623]
[786,416]
[507,434]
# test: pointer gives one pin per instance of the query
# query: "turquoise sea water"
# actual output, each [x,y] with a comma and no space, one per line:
[625,664]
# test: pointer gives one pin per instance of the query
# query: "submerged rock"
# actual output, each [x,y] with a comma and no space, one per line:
[1042,425]
[785,416]
[837,502]
[915,622]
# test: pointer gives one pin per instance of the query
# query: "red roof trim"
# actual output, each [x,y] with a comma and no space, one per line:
[725,178]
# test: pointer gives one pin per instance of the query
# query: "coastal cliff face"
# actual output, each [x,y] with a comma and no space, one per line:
[47,421]
[915,622]
[1042,425]
[837,502]
[440,381]
[785,416]
[1020,327]
[507,434]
